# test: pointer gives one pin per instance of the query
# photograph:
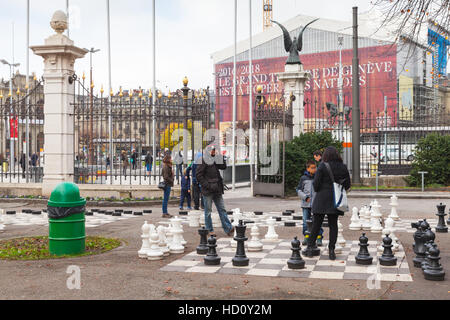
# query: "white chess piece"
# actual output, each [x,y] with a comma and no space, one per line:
[394,205]
[254,244]
[154,253]
[176,247]
[163,240]
[142,253]
[375,218]
[340,238]
[365,216]
[389,224]
[355,224]
[183,242]
[169,235]
[194,218]
[271,235]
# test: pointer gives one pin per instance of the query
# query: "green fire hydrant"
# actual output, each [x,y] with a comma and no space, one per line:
[66,212]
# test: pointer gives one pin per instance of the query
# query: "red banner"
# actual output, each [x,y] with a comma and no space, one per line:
[14,128]
[377,79]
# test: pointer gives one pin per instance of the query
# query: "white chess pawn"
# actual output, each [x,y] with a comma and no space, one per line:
[142,253]
[163,240]
[183,242]
[375,218]
[340,238]
[175,246]
[355,224]
[254,244]
[154,253]
[394,204]
[169,235]
[271,235]
[365,216]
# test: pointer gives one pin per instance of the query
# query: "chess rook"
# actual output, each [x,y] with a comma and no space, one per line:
[202,248]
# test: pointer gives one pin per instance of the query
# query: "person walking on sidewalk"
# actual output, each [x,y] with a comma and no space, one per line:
[167,173]
[211,182]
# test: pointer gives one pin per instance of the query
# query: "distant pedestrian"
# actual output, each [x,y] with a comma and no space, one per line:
[185,189]
[196,188]
[179,165]
[149,162]
[167,173]
[134,158]
[23,164]
[125,163]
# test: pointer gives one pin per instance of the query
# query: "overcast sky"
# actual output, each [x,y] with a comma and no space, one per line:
[188,31]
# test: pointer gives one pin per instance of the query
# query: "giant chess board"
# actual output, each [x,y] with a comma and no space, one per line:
[272,262]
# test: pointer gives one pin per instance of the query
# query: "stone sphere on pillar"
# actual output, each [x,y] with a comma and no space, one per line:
[59,22]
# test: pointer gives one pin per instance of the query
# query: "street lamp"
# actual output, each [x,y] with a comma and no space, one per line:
[91,129]
[11,141]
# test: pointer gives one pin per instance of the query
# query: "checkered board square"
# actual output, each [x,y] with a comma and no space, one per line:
[272,262]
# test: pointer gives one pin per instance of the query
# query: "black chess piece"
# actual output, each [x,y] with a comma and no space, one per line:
[420,238]
[296,261]
[212,259]
[310,250]
[448,220]
[202,248]
[325,222]
[387,258]
[416,225]
[441,227]
[434,272]
[240,259]
[426,261]
[363,256]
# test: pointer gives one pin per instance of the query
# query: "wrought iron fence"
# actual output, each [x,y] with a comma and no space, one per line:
[144,127]
[22,135]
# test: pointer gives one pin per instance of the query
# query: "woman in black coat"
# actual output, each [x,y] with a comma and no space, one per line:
[323,203]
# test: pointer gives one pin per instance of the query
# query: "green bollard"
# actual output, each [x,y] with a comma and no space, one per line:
[67,231]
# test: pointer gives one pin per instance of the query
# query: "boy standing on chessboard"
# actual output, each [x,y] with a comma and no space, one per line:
[185,189]
[305,191]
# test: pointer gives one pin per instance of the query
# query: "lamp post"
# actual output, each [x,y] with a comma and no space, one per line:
[11,141]
[91,122]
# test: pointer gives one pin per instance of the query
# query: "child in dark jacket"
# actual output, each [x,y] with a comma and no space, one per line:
[305,191]
[185,190]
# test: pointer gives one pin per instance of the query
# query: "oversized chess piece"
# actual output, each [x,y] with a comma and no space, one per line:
[202,248]
[340,238]
[355,224]
[296,261]
[420,238]
[434,272]
[154,253]
[176,247]
[194,218]
[237,216]
[271,235]
[429,241]
[441,227]
[448,220]
[389,228]
[375,218]
[387,258]
[163,241]
[240,259]
[142,253]
[254,244]
[212,259]
[394,205]
[363,256]
[183,242]
[365,216]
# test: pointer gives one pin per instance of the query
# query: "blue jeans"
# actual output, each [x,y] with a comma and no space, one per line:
[220,205]
[167,190]
[307,216]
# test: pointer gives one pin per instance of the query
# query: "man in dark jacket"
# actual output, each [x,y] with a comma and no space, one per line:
[210,180]
[196,188]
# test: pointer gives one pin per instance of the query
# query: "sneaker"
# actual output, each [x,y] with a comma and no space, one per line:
[305,241]
[166,215]
[319,241]
[189,208]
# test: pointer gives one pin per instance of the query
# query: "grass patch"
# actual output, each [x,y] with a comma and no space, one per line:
[36,248]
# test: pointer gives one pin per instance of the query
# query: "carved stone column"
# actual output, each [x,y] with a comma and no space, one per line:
[59,55]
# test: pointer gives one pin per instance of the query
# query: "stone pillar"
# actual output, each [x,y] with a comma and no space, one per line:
[59,55]
[294,79]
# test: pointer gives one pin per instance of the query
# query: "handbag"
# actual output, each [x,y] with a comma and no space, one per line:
[339,194]
[162,185]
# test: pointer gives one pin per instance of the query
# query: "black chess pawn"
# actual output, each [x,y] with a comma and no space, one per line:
[203,247]
[240,259]
[311,250]
[420,238]
[212,259]
[363,256]
[441,227]
[426,261]
[387,258]
[296,261]
[434,272]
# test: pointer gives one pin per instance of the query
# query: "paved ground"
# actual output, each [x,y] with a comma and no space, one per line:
[120,274]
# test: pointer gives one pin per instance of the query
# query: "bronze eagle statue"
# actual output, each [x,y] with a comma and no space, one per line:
[293,46]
